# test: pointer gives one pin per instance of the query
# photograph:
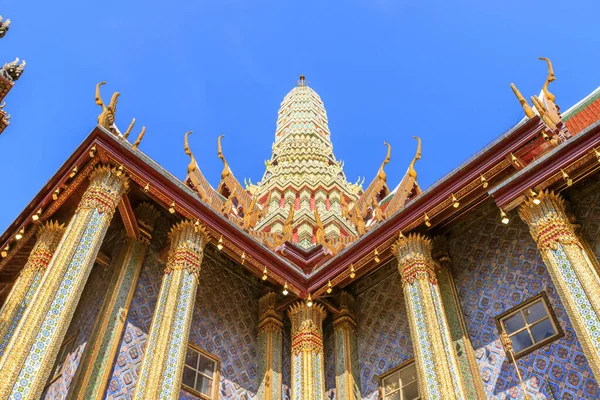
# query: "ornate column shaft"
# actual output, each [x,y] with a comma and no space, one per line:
[34,346]
[436,360]
[570,267]
[347,381]
[459,333]
[270,349]
[28,281]
[164,358]
[308,370]
[94,368]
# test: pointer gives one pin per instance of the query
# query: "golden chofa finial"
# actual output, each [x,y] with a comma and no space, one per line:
[186,148]
[551,78]
[528,110]
[106,119]
[412,172]
[139,138]
[129,128]
[381,174]
[225,172]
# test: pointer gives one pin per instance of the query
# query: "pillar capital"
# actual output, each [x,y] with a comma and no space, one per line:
[146,215]
[307,326]
[187,247]
[48,238]
[345,318]
[413,253]
[107,185]
[269,319]
[548,221]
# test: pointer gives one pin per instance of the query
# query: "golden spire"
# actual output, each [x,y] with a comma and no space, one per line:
[381,174]
[528,111]
[551,78]
[412,172]
[302,81]
[222,157]
[186,148]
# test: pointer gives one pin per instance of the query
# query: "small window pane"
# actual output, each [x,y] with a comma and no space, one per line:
[411,391]
[542,330]
[203,385]
[395,396]
[391,383]
[408,375]
[514,323]
[188,377]
[191,358]
[206,366]
[521,341]
[535,312]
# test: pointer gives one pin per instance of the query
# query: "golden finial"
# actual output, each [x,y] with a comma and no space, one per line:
[302,81]
[139,138]
[106,119]
[222,157]
[528,111]
[381,174]
[551,78]
[128,131]
[412,172]
[543,111]
[186,148]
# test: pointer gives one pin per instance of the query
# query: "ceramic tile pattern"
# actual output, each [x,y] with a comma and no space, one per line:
[383,332]
[328,349]
[497,267]
[224,324]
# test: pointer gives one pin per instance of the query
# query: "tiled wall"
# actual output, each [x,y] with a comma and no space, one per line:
[497,267]
[81,326]
[328,349]
[224,324]
[383,332]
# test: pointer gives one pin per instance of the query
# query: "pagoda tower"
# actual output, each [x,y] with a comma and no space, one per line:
[303,176]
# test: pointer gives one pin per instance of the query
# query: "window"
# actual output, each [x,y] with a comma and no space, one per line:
[200,373]
[530,325]
[59,363]
[400,383]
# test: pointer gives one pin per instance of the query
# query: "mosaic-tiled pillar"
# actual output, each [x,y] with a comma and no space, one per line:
[94,369]
[436,360]
[164,358]
[31,352]
[570,267]
[457,325]
[270,339]
[308,369]
[347,383]
[48,237]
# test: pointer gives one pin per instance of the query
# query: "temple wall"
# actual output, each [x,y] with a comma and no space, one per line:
[224,324]
[383,332]
[329,349]
[81,326]
[497,267]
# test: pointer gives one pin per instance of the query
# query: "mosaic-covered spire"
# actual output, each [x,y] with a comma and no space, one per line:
[303,171]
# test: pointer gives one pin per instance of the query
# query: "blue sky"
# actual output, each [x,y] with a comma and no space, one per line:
[386,70]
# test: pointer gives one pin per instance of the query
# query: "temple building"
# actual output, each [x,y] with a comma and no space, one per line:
[121,281]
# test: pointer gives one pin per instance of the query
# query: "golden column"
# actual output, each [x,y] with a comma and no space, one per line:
[346,350]
[570,267]
[29,279]
[308,370]
[162,368]
[436,360]
[95,365]
[31,352]
[269,348]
